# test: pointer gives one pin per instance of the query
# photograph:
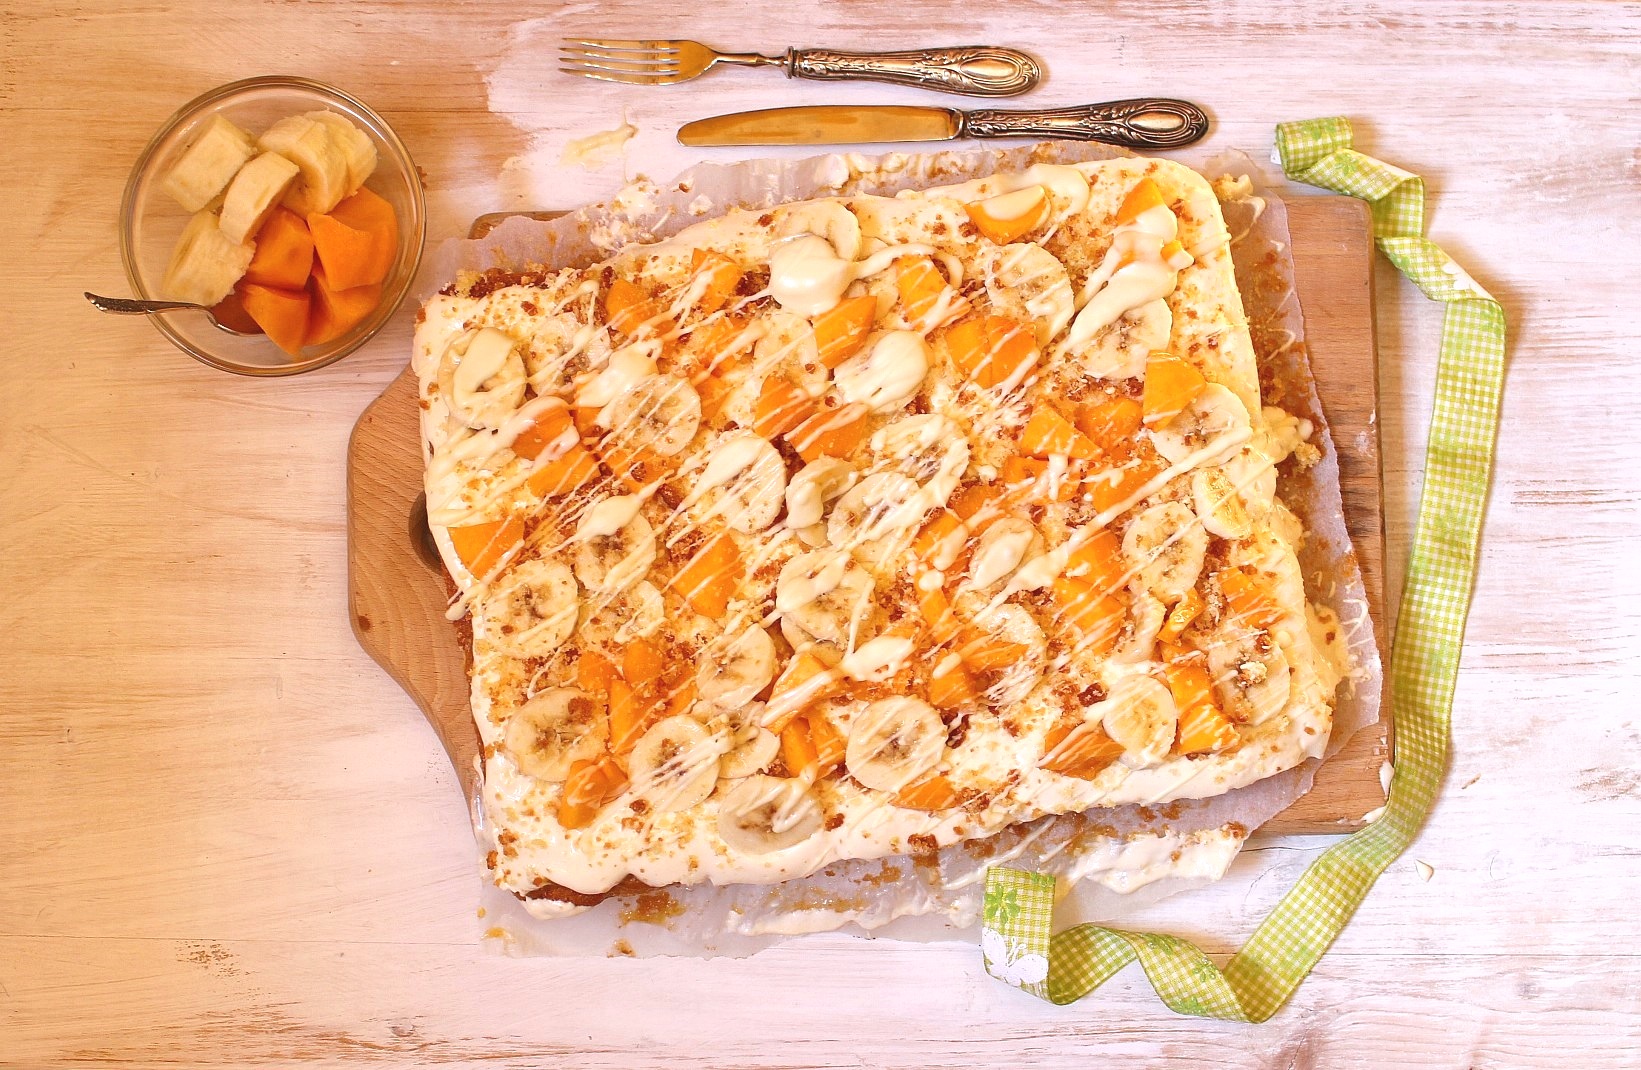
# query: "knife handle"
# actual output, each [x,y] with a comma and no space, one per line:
[975,70]
[1141,123]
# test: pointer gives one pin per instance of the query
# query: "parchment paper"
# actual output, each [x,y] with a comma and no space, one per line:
[937,897]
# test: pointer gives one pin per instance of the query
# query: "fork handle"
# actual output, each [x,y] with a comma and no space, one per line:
[1140,123]
[974,70]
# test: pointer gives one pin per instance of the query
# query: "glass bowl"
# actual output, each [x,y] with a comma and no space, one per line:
[150,221]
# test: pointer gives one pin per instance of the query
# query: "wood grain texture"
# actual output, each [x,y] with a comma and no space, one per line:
[397,601]
[228,839]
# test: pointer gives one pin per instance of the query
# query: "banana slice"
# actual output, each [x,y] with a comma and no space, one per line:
[356,146]
[1219,505]
[1250,674]
[888,374]
[1000,550]
[674,765]
[660,414]
[323,181]
[827,219]
[1026,278]
[1137,642]
[254,194]
[1120,349]
[764,814]
[1165,545]
[743,483]
[816,484]
[825,593]
[205,265]
[929,448]
[735,669]
[1139,714]
[481,376]
[615,545]
[622,370]
[1211,428]
[207,165]
[1013,624]
[1253,474]
[893,742]
[750,757]
[877,518]
[635,613]
[550,353]
[535,612]
[553,730]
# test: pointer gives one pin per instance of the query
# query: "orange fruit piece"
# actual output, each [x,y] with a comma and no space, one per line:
[951,686]
[830,432]
[284,252]
[1250,598]
[991,350]
[282,314]
[347,254]
[1203,727]
[1080,749]
[1096,616]
[841,330]
[482,546]
[805,679]
[710,577]
[1098,562]
[568,472]
[811,746]
[593,673]
[370,213]
[932,792]
[1112,488]
[551,426]
[987,653]
[1048,433]
[1179,618]
[588,787]
[334,312]
[722,276]
[627,308]
[1170,385]
[1008,217]
[920,285]
[1111,423]
[1142,198]
[782,405]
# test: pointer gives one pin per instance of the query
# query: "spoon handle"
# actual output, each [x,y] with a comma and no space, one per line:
[126,306]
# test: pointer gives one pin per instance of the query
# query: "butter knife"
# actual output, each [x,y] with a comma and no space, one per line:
[1140,123]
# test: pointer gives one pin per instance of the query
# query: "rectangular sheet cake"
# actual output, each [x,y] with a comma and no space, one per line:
[862,526]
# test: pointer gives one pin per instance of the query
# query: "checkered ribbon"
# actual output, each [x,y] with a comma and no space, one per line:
[1424,662]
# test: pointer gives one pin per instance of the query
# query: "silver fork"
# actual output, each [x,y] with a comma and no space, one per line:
[974,70]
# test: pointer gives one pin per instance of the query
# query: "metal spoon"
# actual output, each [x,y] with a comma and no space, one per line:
[125,306]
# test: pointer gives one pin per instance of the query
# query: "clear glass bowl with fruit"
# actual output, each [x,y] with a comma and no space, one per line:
[289,207]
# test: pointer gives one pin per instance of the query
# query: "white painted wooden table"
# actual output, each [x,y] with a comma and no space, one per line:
[227,839]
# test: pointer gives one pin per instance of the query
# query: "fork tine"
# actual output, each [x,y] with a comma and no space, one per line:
[620,68]
[636,63]
[663,47]
[625,79]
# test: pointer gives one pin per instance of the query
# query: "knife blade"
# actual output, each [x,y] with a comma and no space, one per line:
[1140,123]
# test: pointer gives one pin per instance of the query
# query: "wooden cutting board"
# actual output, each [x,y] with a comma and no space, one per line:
[397,592]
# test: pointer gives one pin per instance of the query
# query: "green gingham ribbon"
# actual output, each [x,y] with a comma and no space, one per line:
[1424,662]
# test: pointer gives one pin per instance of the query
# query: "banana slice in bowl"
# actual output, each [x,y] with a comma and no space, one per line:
[763,814]
[554,730]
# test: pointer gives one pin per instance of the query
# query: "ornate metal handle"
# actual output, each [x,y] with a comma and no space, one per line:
[974,70]
[1142,123]
[130,306]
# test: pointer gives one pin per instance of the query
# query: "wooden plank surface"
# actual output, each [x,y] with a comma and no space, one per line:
[397,599]
[221,847]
